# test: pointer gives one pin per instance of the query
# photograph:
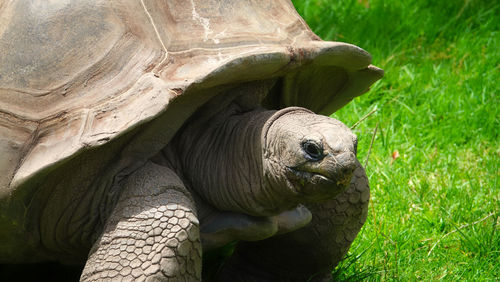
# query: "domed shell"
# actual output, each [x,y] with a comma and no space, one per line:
[81,75]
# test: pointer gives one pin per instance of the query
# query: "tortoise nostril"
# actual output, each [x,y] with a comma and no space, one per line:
[337,152]
[347,161]
[347,170]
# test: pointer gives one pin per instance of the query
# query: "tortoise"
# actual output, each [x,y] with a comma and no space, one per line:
[135,134]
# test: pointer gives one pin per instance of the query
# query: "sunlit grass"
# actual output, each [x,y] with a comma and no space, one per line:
[434,164]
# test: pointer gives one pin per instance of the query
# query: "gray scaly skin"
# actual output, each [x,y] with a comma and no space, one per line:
[243,174]
[153,232]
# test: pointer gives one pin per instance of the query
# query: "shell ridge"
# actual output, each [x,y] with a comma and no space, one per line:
[26,149]
[157,35]
[205,23]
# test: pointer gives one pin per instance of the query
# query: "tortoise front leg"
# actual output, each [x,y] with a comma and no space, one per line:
[310,252]
[152,233]
[222,228]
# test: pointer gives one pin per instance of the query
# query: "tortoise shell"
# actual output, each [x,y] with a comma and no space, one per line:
[87,84]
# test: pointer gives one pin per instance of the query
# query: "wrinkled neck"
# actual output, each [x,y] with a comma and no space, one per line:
[222,161]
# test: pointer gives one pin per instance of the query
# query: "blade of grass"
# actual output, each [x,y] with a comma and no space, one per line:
[458,229]
[371,145]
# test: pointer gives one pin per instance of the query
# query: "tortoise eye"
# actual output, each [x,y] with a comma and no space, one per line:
[313,150]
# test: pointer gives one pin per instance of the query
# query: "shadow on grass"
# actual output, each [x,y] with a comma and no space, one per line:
[213,261]
[50,271]
[346,271]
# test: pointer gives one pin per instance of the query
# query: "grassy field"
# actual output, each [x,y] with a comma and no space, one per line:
[434,164]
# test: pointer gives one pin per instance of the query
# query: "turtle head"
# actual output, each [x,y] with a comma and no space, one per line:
[313,156]
[264,162]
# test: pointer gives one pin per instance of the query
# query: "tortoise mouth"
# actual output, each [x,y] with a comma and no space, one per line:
[315,185]
[310,174]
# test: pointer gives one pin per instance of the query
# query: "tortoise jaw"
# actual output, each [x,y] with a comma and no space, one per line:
[322,180]
[314,186]
[311,175]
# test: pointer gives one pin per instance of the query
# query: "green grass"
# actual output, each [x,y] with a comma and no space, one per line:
[434,211]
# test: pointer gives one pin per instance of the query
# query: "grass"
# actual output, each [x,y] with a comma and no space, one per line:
[434,163]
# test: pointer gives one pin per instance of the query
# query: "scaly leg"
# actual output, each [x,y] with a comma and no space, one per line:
[152,233]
